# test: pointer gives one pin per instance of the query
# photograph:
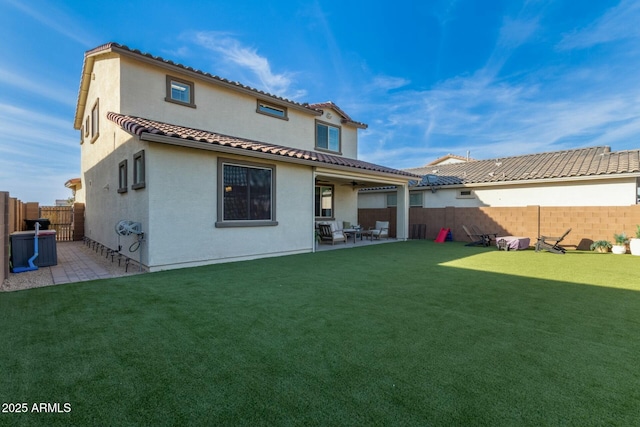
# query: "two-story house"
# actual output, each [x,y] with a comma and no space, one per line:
[212,169]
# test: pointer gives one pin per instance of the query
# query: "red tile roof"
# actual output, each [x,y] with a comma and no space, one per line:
[140,126]
[565,164]
[345,116]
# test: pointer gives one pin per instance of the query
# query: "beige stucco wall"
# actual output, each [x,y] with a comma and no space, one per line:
[370,200]
[345,204]
[99,165]
[177,208]
[183,212]
[79,194]
[221,110]
[609,192]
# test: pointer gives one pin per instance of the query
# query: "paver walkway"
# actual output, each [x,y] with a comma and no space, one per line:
[74,265]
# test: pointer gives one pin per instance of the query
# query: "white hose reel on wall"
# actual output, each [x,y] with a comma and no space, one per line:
[127,228]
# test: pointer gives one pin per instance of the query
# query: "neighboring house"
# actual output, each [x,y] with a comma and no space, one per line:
[75,185]
[212,169]
[593,176]
[448,159]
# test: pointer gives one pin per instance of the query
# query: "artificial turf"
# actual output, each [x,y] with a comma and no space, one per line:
[412,333]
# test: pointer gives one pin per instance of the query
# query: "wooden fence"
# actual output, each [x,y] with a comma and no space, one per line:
[68,221]
[61,220]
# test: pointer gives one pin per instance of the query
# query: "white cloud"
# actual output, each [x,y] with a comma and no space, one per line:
[619,23]
[56,20]
[233,52]
[389,83]
[47,90]
[494,118]
[537,107]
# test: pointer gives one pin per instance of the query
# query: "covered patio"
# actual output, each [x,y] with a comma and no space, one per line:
[336,202]
[350,244]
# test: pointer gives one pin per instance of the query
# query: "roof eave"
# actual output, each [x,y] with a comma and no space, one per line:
[541,180]
[200,75]
[171,140]
[85,80]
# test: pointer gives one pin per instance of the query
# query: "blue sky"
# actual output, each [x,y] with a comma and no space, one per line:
[495,78]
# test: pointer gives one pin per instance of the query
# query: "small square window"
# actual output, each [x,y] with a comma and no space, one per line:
[122,177]
[415,199]
[272,110]
[392,199]
[138,170]
[465,194]
[180,92]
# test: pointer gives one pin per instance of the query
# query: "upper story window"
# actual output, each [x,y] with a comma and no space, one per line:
[272,110]
[327,137]
[95,121]
[180,91]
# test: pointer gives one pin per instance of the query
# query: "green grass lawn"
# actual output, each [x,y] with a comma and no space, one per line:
[411,333]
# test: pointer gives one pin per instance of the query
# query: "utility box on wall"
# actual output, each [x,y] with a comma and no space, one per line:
[22,248]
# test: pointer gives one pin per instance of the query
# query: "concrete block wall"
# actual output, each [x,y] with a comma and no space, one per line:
[588,223]
[19,211]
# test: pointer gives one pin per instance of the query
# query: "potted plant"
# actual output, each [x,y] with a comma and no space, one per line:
[601,246]
[634,243]
[621,244]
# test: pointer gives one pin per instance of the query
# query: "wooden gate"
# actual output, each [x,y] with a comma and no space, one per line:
[61,218]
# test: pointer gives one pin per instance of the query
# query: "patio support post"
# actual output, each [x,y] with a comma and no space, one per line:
[402,227]
[314,241]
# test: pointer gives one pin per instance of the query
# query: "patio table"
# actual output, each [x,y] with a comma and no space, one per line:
[355,232]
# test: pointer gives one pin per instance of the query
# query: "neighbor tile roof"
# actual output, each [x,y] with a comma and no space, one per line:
[139,126]
[448,157]
[314,108]
[583,162]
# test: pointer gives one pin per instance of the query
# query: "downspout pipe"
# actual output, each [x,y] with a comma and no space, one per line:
[31,266]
